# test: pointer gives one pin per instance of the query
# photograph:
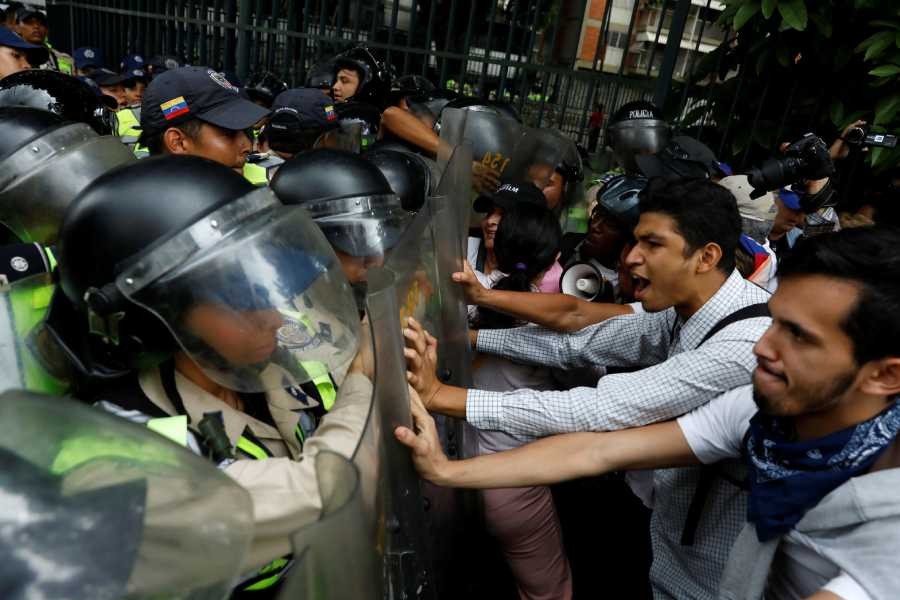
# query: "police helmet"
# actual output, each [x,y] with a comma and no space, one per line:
[636,128]
[45,161]
[58,93]
[347,196]
[321,76]
[226,256]
[411,176]
[263,87]
[374,75]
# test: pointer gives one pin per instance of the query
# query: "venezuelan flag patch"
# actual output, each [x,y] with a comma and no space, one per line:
[330,115]
[174,108]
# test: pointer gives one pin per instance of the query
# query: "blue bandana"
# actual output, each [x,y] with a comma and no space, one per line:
[787,478]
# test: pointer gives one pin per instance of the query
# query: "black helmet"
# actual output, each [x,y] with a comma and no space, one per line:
[347,196]
[636,128]
[321,76]
[58,93]
[487,125]
[263,87]
[618,197]
[499,107]
[158,272]
[427,105]
[45,161]
[410,175]
[374,75]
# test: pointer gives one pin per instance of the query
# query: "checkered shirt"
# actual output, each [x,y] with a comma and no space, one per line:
[675,377]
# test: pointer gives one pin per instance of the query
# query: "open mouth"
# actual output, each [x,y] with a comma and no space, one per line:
[641,284]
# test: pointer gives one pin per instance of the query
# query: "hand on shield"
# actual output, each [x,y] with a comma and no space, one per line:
[428,457]
[472,289]
[485,179]
[421,361]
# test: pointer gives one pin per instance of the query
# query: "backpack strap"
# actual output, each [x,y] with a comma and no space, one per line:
[708,474]
[751,311]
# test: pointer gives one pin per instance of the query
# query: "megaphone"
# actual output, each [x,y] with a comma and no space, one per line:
[584,280]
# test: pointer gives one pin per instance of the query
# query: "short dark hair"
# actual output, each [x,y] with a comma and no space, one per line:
[868,257]
[527,243]
[154,141]
[704,212]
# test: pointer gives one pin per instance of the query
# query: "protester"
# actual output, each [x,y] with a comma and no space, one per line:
[523,520]
[684,264]
[817,431]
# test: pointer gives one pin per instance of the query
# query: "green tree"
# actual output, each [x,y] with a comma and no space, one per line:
[801,65]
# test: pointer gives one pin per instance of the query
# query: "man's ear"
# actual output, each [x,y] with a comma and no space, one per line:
[708,258]
[176,141]
[881,377]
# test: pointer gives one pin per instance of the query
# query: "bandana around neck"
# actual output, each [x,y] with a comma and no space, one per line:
[787,478]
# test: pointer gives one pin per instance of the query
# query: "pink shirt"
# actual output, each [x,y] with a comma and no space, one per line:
[550,282]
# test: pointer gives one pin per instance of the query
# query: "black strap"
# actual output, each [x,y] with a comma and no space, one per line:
[751,311]
[481,257]
[167,376]
[709,474]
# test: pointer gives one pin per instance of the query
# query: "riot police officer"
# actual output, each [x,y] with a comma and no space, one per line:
[412,177]
[637,128]
[31,24]
[299,117]
[236,293]
[196,111]
[45,162]
[353,204]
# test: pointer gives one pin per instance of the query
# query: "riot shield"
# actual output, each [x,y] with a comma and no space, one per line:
[390,485]
[25,353]
[493,138]
[348,137]
[335,556]
[95,506]
[538,152]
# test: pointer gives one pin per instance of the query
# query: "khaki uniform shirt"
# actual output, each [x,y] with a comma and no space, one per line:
[284,489]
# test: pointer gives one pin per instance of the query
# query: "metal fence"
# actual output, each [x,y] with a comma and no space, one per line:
[516,50]
[527,52]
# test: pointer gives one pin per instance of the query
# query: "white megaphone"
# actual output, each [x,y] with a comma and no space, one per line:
[584,280]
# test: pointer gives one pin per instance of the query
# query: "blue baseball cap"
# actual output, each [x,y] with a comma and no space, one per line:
[88,57]
[133,67]
[37,55]
[309,107]
[789,198]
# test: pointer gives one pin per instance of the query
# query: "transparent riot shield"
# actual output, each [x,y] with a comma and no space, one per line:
[389,484]
[28,358]
[348,137]
[97,507]
[335,557]
[538,152]
[493,138]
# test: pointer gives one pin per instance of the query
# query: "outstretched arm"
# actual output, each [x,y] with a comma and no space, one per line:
[548,460]
[559,312]
[406,126]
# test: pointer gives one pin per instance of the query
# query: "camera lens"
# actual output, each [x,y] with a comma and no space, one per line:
[855,135]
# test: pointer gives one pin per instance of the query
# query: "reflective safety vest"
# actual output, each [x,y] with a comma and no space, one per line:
[129,122]
[258,168]
[28,305]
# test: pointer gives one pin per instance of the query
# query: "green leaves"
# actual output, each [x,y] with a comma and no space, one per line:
[793,13]
[744,14]
[885,70]
[768,8]
[836,113]
[876,43]
[886,109]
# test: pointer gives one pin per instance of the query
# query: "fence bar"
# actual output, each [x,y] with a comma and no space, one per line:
[659,26]
[670,56]
[467,43]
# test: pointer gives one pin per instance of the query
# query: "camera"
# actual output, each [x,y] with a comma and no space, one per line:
[860,137]
[805,159]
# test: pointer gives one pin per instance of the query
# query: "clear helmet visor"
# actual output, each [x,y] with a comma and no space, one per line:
[636,137]
[366,226]
[251,293]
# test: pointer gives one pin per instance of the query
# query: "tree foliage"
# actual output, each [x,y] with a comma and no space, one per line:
[794,65]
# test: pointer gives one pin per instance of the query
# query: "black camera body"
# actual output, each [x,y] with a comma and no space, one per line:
[806,159]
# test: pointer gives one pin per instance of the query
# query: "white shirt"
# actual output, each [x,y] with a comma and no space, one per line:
[715,432]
